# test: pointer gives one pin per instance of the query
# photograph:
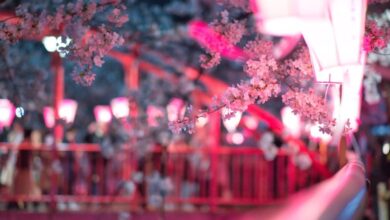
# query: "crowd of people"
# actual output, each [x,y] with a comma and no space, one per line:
[30,169]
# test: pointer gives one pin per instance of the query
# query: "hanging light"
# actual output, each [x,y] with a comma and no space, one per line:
[291,121]
[102,114]
[175,109]
[335,40]
[48,116]
[316,134]
[154,113]
[202,121]
[68,110]
[283,17]
[120,107]
[67,113]
[7,113]
[334,43]
[232,122]
[250,122]
[333,31]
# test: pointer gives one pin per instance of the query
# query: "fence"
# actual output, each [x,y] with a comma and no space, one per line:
[210,177]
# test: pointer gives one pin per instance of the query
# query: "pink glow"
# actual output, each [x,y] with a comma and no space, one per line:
[291,121]
[285,46]
[316,134]
[231,123]
[7,113]
[250,122]
[237,138]
[154,113]
[348,108]
[48,116]
[335,39]
[284,17]
[67,112]
[102,114]
[202,121]
[175,109]
[210,39]
[120,107]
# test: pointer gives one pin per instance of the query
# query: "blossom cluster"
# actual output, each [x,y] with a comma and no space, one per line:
[267,78]
[221,40]
[89,44]
[311,107]
[376,37]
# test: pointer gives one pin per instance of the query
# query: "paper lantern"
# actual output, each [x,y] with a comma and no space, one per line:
[335,40]
[7,113]
[175,109]
[153,114]
[48,116]
[102,113]
[67,113]
[316,134]
[283,17]
[68,110]
[231,123]
[332,29]
[120,107]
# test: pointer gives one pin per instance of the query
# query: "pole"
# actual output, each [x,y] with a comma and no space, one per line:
[58,88]
[215,129]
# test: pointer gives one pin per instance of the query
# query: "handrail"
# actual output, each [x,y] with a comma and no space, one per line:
[336,198]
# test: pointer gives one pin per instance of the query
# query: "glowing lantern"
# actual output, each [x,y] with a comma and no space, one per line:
[7,113]
[102,114]
[335,40]
[316,134]
[202,121]
[231,123]
[250,122]
[120,107]
[48,116]
[67,112]
[153,114]
[335,43]
[283,17]
[333,31]
[291,121]
[175,109]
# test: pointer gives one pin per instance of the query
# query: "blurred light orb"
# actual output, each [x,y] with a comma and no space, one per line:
[201,121]
[19,112]
[386,148]
[237,138]
[250,122]
[50,43]
[53,44]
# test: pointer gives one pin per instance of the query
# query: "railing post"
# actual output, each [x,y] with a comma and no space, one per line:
[215,129]
[58,129]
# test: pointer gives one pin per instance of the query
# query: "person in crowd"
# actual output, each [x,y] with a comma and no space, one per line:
[383,197]
[24,183]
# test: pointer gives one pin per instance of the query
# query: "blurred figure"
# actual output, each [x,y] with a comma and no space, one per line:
[24,183]
[383,197]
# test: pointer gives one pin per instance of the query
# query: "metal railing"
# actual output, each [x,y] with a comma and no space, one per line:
[212,177]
